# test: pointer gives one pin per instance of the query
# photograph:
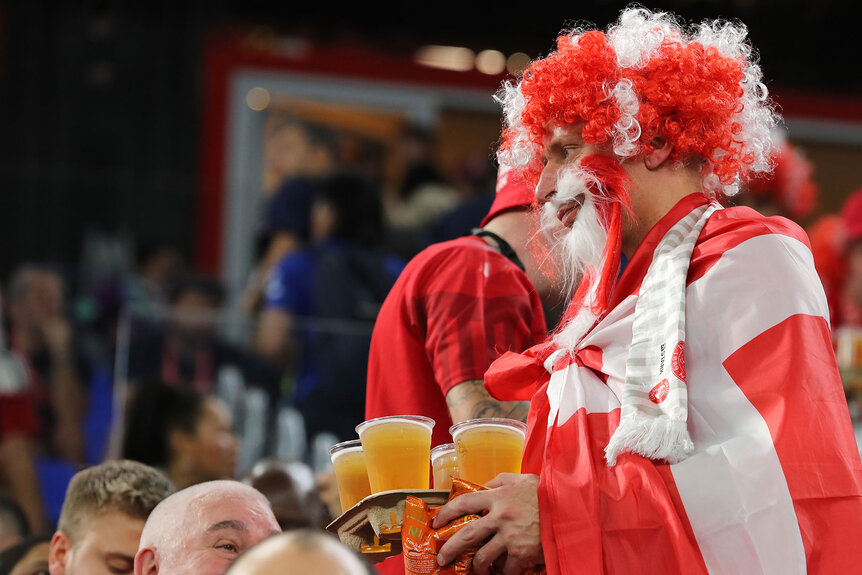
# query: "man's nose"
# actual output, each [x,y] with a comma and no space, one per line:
[547,187]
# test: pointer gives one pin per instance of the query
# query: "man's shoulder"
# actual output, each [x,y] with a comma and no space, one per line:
[462,251]
[466,246]
[739,223]
[730,228]
[466,265]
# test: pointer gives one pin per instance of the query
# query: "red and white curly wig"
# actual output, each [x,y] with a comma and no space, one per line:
[647,77]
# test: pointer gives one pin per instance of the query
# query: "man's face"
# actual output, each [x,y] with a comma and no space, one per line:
[194,314]
[569,216]
[106,546]
[214,447]
[290,151]
[562,148]
[215,530]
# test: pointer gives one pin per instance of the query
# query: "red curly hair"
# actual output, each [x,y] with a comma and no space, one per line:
[704,97]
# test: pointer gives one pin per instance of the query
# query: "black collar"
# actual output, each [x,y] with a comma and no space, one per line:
[502,245]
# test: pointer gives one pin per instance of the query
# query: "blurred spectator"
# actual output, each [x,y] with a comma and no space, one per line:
[13,523]
[297,553]
[328,488]
[18,432]
[28,557]
[156,264]
[186,434]
[298,154]
[42,337]
[476,184]
[789,190]
[291,490]
[321,303]
[457,306]
[420,196]
[423,194]
[187,351]
[201,530]
[850,310]
[103,516]
[827,243]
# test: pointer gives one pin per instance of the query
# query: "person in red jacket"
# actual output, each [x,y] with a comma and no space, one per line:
[687,416]
[456,307]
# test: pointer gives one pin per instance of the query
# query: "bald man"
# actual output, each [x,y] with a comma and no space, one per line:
[297,553]
[202,529]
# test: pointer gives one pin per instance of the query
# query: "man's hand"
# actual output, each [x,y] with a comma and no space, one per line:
[511,525]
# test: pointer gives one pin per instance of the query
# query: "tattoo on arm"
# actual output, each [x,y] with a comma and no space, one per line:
[470,400]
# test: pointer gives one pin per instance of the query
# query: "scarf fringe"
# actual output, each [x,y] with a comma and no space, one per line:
[654,438]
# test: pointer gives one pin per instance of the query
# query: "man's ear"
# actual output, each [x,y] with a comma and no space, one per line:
[58,553]
[146,562]
[661,151]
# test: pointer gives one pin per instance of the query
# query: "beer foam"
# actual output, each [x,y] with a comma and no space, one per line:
[341,452]
[442,450]
[496,426]
[365,425]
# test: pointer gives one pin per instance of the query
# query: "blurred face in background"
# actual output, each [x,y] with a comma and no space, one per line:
[323,220]
[854,271]
[291,153]
[194,314]
[35,562]
[211,452]
[42,299]
[106,545]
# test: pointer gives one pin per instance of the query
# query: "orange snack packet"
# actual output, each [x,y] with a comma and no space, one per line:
[421,542]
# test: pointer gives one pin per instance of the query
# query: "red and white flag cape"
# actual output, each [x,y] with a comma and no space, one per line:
[774,484]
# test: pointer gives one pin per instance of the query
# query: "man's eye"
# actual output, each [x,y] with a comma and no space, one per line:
[121,568]
[568,151]
[229,547]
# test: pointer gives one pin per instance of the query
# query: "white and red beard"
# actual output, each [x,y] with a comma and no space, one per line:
[583,222]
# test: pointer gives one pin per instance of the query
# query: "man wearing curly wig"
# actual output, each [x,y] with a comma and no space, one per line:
[687,416]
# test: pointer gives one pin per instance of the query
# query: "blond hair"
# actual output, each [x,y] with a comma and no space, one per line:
[126,486]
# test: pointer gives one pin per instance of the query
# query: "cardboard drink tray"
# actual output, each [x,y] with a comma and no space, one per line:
[375,521]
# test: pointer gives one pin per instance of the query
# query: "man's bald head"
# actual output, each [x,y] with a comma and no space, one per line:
[299,552]
[202,529]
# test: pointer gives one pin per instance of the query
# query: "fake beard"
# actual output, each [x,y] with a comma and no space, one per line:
[588,254]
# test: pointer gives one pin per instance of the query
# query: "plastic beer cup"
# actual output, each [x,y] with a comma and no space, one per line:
[444,465]
[351,476]
[487,447]
[397,451]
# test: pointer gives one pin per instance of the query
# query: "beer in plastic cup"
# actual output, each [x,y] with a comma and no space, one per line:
[348,463]
[444,465]
[487,447]
[397,451]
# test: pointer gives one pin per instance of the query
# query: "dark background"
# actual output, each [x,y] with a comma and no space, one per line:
[100,102]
